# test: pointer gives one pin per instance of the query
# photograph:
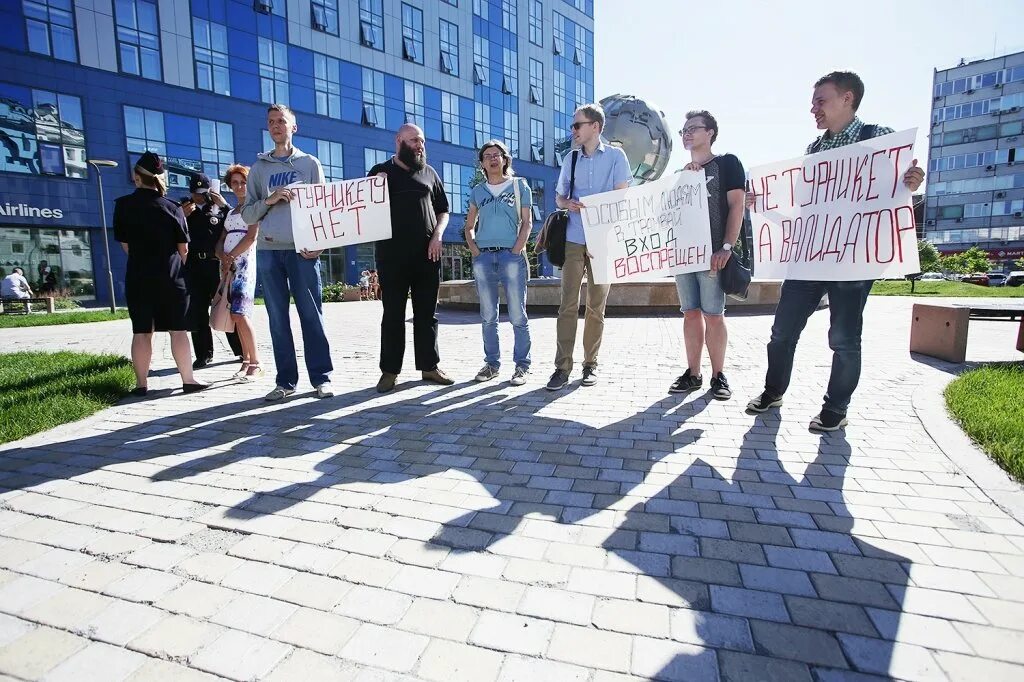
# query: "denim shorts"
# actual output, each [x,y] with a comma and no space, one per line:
[700,290]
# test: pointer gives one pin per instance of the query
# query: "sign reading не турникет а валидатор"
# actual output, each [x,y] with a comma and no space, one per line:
[838,215]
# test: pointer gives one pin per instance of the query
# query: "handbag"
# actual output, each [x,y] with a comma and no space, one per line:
[734,278]
[552,236]
[220,307]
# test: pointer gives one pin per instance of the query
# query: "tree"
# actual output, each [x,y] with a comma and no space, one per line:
[1019,263]
[966,262]
[928,254]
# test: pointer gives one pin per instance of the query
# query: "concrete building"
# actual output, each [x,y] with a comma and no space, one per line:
[190,79]
[975,189]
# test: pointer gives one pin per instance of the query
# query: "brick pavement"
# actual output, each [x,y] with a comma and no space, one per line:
[488,532]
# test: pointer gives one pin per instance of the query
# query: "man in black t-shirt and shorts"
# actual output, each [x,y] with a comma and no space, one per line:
[410,262]
[701,298]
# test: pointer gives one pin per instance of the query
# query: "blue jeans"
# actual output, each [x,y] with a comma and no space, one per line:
[700,290]
[490,269]
[285,274]
[846,309]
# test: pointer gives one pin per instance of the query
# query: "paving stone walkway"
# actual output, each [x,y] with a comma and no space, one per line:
[488,532]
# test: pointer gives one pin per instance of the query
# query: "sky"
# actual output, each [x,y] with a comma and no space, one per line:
[753,64]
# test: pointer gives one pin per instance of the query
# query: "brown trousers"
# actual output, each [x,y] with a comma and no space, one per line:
[576,262]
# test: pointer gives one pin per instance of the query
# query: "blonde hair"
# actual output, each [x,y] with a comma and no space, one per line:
[152,181]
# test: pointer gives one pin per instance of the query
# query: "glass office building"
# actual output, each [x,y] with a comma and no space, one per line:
[190,80]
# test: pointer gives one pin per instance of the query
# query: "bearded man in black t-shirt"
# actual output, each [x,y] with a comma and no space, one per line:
[701,298]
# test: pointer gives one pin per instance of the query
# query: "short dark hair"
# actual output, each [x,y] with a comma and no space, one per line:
[845,81]
[709,120]
[593,111]
[284,109]
[507,168]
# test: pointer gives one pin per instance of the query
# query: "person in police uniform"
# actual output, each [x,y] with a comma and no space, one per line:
[205,211]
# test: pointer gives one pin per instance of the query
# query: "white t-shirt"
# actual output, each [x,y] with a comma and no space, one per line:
[14,286]
[499,188]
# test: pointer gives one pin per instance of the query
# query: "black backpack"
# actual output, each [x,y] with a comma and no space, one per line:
[552,235]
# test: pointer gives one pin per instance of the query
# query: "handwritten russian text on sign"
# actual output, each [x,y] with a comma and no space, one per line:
[651,230]
[842,214]
[339,213]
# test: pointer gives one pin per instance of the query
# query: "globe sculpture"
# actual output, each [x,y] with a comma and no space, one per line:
[640,130]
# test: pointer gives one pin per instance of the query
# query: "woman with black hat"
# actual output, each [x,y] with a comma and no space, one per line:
[151,229]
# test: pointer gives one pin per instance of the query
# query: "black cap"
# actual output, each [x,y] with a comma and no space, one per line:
[198,182]
[150,163]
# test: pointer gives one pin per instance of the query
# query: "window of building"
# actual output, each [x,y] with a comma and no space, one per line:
[332,159]
[537,190]
[560,37]
[412,33]
[536,22]
[951,211]
[508,15]
[372,157]
[558,91]
[536,82]
[414,111]
[51,28]
[536,140]
[373,98]
[456,178]
[480,8]
[449,47]
[327,84]
[450,118]
[276,7]
[188,145]
[481,123]
[481,59]
[512,132]
[210,41]
[324,15]
[453,3]
[44,130]
[273,71]
[510,71]
[371,23]
[1012,208]
[65,252]
[138,38]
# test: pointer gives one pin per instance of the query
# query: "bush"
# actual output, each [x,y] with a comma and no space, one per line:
[335,293]
[63,299]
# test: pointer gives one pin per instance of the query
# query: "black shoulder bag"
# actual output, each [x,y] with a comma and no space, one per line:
[556,225]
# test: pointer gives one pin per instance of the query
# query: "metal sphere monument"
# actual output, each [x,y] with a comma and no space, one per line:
[640,130]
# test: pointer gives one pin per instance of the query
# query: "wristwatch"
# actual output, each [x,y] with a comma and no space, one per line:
[727,246]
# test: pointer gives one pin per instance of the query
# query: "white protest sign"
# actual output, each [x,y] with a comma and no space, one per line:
[651,230]
[340,213]
[839,215]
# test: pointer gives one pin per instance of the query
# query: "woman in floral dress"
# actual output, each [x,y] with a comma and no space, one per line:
[238,249]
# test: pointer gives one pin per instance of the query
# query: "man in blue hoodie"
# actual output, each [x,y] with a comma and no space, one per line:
[284,273]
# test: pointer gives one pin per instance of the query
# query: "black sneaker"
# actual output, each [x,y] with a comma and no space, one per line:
[763,403]
[827,420]
[200,363]
[686,383]
[720,387]
[558,380]
[589,376]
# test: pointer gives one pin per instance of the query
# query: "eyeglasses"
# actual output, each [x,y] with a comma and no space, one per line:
[691,130]
[579,124]
[492,156]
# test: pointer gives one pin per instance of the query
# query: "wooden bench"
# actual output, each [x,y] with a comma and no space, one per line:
[940,331]
[23,306]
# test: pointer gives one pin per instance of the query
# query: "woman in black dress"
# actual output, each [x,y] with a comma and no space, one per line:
[152,231]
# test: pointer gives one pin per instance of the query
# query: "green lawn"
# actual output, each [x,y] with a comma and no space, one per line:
[44,319]
[39,391]
[937,288]
[989,404]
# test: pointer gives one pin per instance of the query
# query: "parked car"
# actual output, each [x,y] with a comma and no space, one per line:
[1015,278]
[930,276]
[979,278]
[996,279]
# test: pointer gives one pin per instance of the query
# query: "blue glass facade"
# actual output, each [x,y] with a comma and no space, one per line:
[193,85]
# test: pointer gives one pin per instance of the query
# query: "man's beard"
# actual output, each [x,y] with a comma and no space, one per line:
[410,158]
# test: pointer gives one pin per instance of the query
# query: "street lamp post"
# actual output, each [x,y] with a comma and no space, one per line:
[97,163]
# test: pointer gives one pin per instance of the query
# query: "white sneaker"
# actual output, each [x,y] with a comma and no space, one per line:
[324,390]
[519,376]
[486,373]
[279,393]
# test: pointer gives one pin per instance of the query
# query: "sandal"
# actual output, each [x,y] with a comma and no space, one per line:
[254,371]
[240,374]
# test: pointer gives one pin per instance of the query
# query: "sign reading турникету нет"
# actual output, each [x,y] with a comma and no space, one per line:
[651,230]
[333,214]
[839,215]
